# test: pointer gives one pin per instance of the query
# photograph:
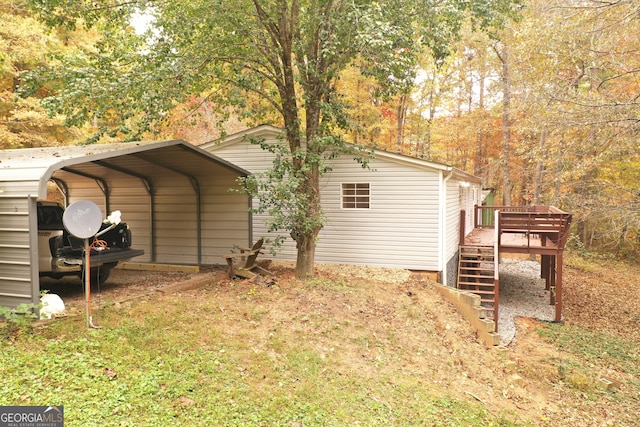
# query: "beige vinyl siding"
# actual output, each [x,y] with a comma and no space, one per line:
[471,198]
[254,159]
[399,229]
[452,234]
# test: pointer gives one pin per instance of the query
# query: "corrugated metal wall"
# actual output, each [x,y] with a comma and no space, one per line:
[252,158]
[169,212]
[175,198]
[16,243]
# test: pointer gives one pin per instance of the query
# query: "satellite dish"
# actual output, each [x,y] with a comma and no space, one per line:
[82,219]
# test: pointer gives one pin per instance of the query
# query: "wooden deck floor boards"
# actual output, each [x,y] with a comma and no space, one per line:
[517,242]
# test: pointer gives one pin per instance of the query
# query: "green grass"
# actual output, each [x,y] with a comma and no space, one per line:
[183,364]
[595,347]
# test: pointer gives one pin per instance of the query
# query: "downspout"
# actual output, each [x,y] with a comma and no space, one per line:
[442,227]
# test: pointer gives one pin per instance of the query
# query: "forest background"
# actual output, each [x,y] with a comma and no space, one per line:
[546,109]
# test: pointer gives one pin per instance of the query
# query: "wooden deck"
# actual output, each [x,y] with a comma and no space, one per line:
[485,237]
[536,230]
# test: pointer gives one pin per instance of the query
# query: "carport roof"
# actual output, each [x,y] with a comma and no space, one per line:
[39,164]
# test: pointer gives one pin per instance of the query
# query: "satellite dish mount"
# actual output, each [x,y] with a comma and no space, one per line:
[83,220]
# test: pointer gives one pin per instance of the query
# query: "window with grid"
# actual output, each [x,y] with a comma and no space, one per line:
[356,196]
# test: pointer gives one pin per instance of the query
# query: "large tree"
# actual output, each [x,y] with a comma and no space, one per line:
[24,44]
[254,56]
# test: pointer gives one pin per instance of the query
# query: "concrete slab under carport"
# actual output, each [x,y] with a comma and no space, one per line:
[175,197]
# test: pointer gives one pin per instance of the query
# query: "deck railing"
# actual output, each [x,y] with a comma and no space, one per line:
[484,215]
[547,222]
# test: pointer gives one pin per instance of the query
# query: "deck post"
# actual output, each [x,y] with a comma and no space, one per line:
[476,215]
[549,224]
[462,227]
[559,287]
[545,271]
[553,265]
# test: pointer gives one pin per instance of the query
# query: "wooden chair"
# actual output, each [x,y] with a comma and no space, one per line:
[248,257]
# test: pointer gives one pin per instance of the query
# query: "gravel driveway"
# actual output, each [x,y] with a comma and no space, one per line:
[522,294]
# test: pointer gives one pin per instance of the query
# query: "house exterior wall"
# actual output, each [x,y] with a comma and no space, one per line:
[452,224]
[460,195]
[402,228]
[470,196]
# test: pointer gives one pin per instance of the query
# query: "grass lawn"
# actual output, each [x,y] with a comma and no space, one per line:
[333,351]
[236,354]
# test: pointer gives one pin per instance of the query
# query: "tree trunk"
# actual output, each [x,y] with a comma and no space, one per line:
[537,188]
[306,257]
[503,55]
[307,230]
[402,113]
[478,155]
[557,187]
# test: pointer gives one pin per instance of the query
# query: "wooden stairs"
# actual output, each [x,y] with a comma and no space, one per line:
[477,274]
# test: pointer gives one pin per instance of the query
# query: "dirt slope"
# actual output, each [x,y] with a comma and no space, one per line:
[392,319]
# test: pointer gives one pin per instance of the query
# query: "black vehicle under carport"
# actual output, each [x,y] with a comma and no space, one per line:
[175,197]
[62,254]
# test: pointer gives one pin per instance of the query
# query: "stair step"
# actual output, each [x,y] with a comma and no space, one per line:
[486,284]
[478,291]
[475,275]
[474,255]
[477,254]
[488,274]
[476,284]
[476,268]
[472,263]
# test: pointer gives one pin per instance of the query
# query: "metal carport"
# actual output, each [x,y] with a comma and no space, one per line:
[175,197]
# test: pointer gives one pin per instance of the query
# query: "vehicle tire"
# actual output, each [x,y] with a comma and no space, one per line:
[99,275]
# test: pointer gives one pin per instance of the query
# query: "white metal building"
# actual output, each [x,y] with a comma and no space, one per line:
[407,214]
[175,197]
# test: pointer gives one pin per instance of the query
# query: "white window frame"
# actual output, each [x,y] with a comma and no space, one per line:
[359,192]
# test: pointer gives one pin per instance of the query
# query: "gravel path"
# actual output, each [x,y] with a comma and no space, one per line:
[522,294]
